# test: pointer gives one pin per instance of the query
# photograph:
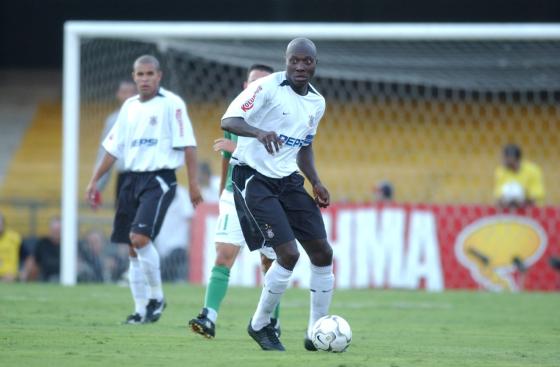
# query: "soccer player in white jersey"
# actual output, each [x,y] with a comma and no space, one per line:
[229,238]
[152,136]
[276,119]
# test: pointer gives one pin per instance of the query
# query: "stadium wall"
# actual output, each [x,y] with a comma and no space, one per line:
[31,31]
[433,247]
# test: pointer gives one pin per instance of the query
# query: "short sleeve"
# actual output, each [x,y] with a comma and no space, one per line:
[249,102]
[181,127]
[114,141]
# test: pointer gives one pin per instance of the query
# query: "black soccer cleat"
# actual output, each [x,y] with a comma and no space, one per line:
[154,309]
[276,325]
[308,344]
[134,319]
[266,337]
[203,325]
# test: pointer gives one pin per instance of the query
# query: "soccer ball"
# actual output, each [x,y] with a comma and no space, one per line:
[513,192]
[331,333]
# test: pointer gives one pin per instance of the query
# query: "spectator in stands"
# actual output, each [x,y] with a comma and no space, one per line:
[384,192]
[126,89]
[518,182]
[44,263]
[92,259]
[10,243]
[174,237]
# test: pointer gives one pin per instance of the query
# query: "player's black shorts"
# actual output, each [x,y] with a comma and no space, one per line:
[120,180]
[143,200]
[274,211]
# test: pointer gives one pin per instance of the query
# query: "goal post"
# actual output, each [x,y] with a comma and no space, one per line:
[166,33]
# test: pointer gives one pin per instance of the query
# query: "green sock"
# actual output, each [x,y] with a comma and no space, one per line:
[217,287]
[276,313]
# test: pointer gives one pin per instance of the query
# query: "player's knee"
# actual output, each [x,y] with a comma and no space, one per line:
[226,255]
[287,255]
[138,240]
[131,251]
[323,255]
[224,260]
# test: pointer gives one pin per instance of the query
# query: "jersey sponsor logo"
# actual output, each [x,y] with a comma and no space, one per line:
[295,142]
[179,118]
[144,142]
[251,101]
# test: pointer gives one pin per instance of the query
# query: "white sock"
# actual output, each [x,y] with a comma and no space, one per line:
[321,291]
[275,283]
[212,314]
[138,286]
[149,261]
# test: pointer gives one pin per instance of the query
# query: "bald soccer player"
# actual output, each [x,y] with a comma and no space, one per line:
[276,119]
[228,236]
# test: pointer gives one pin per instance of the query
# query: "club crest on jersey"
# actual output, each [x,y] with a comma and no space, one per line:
[268,231]
[251,101]
[153,120]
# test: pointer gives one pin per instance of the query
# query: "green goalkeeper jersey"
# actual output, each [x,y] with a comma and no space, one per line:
[232,137]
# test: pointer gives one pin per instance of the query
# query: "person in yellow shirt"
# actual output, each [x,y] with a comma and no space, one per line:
[10,242]
[518,182]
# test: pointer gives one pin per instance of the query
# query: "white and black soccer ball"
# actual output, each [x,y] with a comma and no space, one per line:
[331,333]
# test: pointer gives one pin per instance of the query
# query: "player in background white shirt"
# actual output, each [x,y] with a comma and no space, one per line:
[152,136]
[126,89]
[276,118]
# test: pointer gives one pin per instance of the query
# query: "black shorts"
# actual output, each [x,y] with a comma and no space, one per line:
[120,180]
[143,200]
[275,211]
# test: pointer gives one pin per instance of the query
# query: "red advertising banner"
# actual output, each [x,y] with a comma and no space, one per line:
[433,247]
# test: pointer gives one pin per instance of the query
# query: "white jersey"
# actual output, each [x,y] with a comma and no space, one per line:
[271,104]
[151,135]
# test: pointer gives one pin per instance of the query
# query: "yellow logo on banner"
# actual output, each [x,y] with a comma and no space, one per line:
[495,247]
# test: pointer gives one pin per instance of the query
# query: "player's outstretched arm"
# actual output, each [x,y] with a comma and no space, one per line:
[192,174]
[240,127]
[92,190]
[306,163]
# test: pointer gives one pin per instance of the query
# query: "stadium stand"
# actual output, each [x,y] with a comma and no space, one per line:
[431,117]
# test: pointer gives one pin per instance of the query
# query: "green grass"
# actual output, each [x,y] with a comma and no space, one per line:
[48,325]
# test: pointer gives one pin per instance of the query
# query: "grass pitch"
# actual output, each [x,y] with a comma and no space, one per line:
[48,325]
